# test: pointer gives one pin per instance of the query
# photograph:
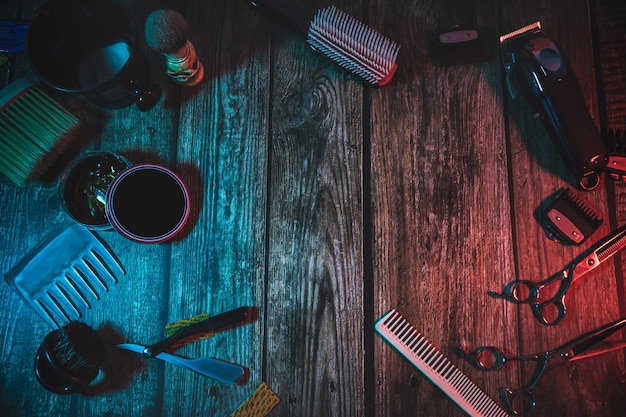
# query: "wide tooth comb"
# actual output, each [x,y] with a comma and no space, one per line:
[83,288]
[74,293]
[62,275]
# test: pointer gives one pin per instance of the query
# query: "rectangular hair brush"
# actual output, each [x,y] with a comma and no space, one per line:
[342,38]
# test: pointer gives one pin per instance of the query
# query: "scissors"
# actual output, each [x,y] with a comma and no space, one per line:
[547,298]
[521,401]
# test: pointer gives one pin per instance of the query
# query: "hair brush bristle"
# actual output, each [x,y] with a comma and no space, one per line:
[166,31]
[354,45]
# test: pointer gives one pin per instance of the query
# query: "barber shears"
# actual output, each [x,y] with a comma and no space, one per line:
[522,400]
[547,298]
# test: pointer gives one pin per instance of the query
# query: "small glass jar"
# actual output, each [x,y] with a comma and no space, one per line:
[83,187]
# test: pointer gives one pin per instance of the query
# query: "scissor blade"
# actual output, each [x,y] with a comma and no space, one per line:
[590,340]
[602,251]
[225,372]
[600,348]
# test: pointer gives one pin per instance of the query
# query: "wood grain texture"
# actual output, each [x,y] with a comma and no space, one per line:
[315,266]
[440,198]
[222,151]
[326,203]
[610,19]
[538,172]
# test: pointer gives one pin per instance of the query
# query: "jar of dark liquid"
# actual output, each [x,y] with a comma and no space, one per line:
[148,203]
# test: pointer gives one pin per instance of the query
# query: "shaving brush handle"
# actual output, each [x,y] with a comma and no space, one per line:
[184,67]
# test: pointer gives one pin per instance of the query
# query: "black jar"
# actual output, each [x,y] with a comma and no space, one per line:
[91,47]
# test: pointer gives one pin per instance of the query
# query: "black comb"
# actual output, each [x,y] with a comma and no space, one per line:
[615,141]
[570,219]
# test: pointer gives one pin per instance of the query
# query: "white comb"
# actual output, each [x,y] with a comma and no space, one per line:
[399,333]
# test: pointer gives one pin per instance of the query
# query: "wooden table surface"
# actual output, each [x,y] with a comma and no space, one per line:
[326,203]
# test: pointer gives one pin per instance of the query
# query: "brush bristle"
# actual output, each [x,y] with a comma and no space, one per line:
[166,31]
[34,130]
[353,45]
[77,345]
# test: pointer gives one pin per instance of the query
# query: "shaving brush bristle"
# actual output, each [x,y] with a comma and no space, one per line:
[69,358]
[77,345]
[166,31]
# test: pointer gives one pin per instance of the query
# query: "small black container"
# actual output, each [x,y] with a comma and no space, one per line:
[91,47]
[69,358]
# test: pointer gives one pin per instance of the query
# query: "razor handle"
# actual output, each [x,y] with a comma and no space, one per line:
[548,81]
[285,12]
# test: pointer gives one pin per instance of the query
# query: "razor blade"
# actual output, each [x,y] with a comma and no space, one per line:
[536,65]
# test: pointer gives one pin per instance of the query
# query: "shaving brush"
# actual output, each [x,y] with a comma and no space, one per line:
[69,358]
[166,33]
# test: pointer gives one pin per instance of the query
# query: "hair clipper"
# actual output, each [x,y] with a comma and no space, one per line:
[536,64]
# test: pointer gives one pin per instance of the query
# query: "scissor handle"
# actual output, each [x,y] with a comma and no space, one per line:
[549,313]
[518,402]
[488,357]
[529,292]
[522,291]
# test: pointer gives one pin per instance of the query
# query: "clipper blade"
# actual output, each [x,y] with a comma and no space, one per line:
[523,32]
[512,42]
[353,45]
[571,219]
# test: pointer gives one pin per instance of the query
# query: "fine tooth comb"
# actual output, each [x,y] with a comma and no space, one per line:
[615,140]
[344,39]
[64,273]
[426,357]
[570,219]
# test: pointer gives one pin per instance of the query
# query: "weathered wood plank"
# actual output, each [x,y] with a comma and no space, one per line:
[315,274]
[440,200]
[538,172]
[130,309]
[28,214]
[326,203]
[222,151]
[611,53]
